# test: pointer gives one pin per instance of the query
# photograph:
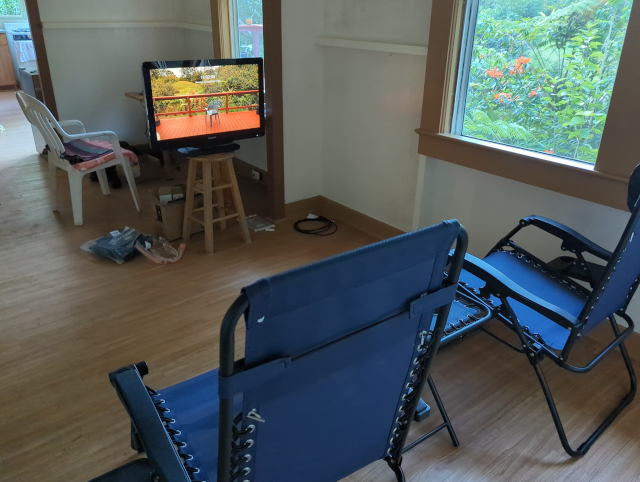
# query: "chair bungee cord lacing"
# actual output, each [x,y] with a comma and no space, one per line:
[180,446]
[412,393]
[239,446]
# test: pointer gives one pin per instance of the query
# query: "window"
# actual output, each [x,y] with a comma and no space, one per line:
[11,8]
[250,34]
[539,74]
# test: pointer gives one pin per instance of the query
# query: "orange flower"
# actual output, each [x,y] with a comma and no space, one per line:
[481,56]
[524,60]
[533,93]
[502,96]
[494,73]
[549,151]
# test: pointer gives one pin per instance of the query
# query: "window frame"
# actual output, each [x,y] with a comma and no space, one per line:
[604,183]
[274,97]
[23,8]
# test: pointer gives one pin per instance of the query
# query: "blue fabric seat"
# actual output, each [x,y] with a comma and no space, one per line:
[334,348]
[536,280]
[195,419]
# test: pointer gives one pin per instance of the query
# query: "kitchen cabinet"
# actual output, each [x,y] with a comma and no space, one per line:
[7,75]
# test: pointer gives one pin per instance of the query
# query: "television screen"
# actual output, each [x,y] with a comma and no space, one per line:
[200,103]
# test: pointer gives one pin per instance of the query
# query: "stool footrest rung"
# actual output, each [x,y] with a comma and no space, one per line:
[218,188]
[230,216]
[200,210]
[215,220]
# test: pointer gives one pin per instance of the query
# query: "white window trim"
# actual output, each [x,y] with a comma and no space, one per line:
[234,28]
[464,67]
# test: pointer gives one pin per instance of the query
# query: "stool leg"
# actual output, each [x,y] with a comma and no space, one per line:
[218,181]
[208,207]
[188,208]
[237,200]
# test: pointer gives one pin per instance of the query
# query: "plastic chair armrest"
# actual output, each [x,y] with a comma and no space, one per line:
[113,139]
[571,238]
[502,285]
[69,123]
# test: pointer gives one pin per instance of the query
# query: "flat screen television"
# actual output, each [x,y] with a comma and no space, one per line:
[203,103]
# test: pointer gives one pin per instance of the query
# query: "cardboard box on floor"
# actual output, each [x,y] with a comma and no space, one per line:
[149,167]
[171,216]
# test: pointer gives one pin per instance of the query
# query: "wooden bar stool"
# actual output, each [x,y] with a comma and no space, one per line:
[217,175]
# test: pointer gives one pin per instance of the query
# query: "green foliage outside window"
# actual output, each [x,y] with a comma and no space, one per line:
[542,73]
[10,8]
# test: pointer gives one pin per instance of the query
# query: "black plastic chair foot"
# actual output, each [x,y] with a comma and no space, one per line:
[422,412]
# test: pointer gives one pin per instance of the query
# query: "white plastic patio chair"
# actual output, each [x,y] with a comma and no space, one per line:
[212,109]
[51,130]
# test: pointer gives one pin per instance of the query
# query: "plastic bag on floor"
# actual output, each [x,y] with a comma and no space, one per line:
[161,251]
[118,245]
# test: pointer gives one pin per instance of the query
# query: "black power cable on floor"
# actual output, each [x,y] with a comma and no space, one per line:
[327,229]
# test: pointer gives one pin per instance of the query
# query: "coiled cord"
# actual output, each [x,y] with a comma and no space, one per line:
[329,227]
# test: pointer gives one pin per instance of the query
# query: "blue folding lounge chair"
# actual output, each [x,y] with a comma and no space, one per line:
[336,354]
[549,311]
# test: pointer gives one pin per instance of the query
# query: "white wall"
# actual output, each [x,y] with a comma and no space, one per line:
[303,98]
[91,70]
[372,104]
[93,67]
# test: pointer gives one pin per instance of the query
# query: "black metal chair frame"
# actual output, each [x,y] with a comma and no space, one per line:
[532,344]
[149,436]
[452,333]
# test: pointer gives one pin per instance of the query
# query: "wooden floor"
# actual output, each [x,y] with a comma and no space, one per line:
[67,318]
[200,125]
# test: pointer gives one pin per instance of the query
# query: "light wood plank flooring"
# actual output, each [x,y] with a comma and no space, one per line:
[68,318]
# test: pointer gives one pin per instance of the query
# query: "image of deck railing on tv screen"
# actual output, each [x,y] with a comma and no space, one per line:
[205,100]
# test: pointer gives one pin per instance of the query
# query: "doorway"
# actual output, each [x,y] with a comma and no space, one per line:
[23,59]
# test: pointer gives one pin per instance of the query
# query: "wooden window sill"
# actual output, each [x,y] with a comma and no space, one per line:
[565,176]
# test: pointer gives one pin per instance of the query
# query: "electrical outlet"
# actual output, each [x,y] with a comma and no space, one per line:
[256,175]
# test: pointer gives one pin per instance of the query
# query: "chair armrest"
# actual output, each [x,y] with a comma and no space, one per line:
[500,284]
[69,123]
[572,240]
[144,416]
[113,139]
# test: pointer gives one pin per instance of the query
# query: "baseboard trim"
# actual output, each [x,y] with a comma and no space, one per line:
[300,209]
[244,169]
[340,213]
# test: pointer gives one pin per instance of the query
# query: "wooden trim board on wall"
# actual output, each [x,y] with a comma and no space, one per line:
[340,213]
[244,169]
[272,14]
[33,12]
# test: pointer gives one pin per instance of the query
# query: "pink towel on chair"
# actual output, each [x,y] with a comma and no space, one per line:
[85,148]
